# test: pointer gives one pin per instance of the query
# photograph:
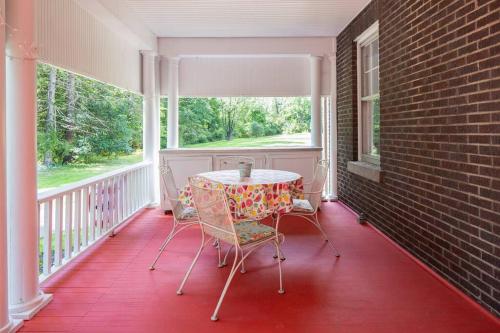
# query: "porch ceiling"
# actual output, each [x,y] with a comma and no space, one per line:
[244,18]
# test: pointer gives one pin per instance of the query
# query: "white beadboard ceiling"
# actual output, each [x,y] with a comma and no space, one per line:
[244,18]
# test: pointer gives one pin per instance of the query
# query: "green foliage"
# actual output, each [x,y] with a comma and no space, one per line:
[256,129]
[106,121]
[205,120]
[376,127]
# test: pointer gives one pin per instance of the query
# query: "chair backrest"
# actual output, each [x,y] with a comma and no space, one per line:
[232,162]
[318,183]
[168,181]
[213,211]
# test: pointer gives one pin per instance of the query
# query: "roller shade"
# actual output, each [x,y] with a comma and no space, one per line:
[242,76]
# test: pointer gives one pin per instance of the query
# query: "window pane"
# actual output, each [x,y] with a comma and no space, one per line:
[376,127]
[366,119]
[374,78]
[366,85]
[365,58]
[374,50]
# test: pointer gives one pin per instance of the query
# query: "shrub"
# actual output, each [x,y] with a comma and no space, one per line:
[256,130]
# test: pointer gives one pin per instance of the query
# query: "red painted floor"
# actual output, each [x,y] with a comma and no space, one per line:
[373,287]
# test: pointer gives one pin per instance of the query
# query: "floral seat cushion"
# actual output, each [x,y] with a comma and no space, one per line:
[252,231]
[302,205]
[188,213]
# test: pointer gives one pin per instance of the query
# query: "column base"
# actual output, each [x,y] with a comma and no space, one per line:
[332,198]
[153,205]
[26,311]
[12,327]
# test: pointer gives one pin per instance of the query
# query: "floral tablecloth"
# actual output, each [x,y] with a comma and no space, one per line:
[264,193]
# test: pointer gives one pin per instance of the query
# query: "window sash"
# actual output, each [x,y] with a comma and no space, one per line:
[366,94]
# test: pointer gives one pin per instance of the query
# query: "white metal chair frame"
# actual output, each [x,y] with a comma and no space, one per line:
[209,228]
[319,179]
[172,193]
[232,162]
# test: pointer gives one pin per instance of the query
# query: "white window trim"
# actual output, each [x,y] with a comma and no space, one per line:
[364,39]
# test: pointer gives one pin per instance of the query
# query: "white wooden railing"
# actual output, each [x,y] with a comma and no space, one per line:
[73,217]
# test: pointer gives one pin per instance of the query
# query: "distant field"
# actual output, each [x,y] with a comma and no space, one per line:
[57,176]
[300,139]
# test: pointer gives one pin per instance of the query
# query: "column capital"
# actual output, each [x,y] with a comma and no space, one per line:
[174,61]
[149,53]
[315,57]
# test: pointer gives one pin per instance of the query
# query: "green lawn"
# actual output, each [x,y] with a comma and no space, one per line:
[300,139]
[57,176]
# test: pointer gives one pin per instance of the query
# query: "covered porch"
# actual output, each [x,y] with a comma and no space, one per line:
[411,196]
[375,286]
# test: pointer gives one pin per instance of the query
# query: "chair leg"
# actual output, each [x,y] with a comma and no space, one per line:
[325,236]
[281,290]
[279,252]
[165,243]
[218,246]
[226,286]
[170,234]
[224,262]
[243,270]
[179,291]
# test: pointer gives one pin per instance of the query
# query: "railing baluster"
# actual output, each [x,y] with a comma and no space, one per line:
[120,198]
[85,216]
[77,221]
[137,192]
[68,219]
[105,208]
[58,246]
[47,238]
[99,209]
[115,201]
[92,212]
[111,208]
[116,196]
[127,195]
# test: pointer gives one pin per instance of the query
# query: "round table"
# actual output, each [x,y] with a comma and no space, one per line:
[265,192]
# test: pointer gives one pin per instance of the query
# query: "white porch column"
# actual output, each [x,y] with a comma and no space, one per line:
[7,325]
[151,124]
[173,103]
[333,124]
[315,76]
[25,297]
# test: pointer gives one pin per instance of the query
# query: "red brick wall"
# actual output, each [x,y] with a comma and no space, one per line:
[440,136]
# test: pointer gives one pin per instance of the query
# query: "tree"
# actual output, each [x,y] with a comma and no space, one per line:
[228,113]
[93,118]
[71,100]
[50,123]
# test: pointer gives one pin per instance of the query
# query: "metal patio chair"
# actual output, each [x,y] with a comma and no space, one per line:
[232,162]
[184,216]
[216,221]
[307,208]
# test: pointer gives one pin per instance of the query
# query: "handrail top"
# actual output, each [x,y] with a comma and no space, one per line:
[50,194]
[239,150]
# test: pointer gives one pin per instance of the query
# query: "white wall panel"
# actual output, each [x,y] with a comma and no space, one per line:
[70,37]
